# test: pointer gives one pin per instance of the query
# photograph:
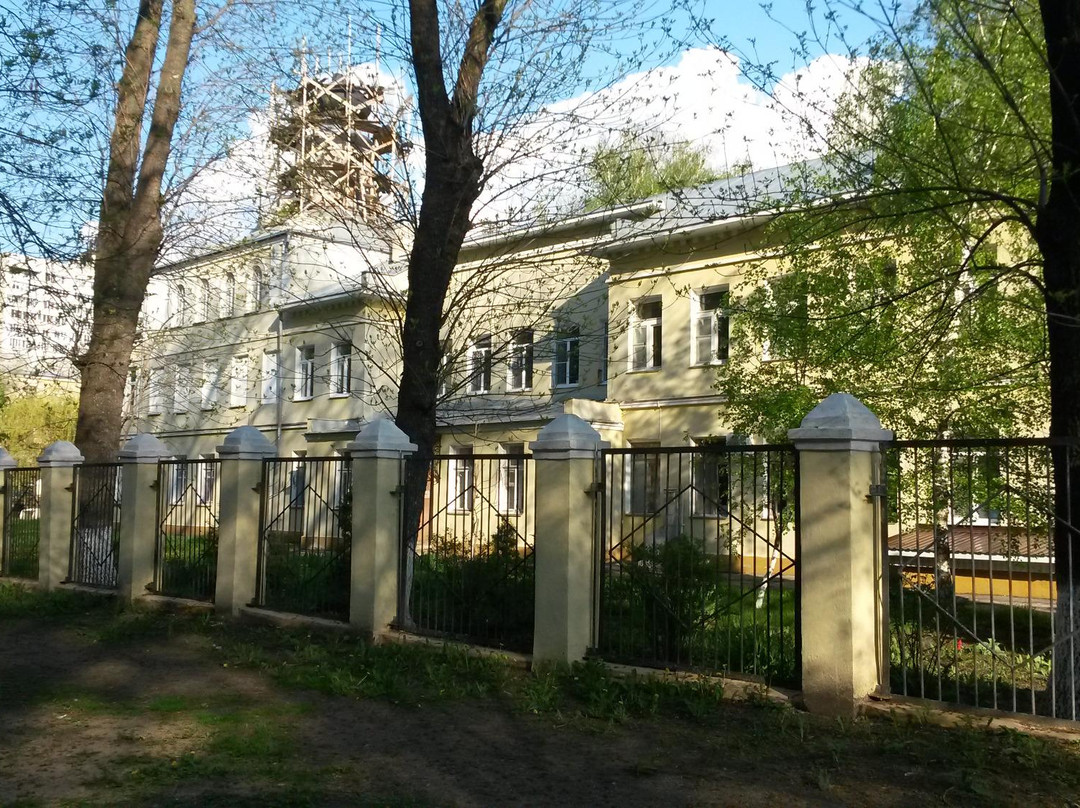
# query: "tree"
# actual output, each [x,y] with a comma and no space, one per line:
[29,423]
[634,168]
[129,226]
[959,143]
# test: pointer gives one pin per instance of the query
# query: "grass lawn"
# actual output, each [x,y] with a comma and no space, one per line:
[108,707]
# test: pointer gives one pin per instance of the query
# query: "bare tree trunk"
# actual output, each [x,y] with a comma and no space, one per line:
[129,227]
[452,183]
[1058,235]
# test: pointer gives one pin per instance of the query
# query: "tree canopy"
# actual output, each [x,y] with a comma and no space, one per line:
[635,167]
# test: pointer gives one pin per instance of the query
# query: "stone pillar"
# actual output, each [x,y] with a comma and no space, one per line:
[6,462]
[241,455]
[565,457]
[840,611]
[377,456]
[57,464]
[138,508]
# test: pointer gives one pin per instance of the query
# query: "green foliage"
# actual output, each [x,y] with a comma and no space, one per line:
[634,167]
[305,580]
[913,283]
[30,423]
[671,603]
[483,589]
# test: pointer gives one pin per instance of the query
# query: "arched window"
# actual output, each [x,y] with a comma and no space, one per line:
[228,296]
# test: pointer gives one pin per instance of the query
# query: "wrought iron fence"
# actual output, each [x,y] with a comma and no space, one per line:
[187,529]
[981,610]
[305,545]
[22,492]
[95,525]
[696,559]
[468,569]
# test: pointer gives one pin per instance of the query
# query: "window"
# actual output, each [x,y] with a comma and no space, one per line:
[567,357]
[238,381]
[305,372]
[181,388]
[646,335]
[644,493]
[179,305]
[341,369]
[296,489]
[157,391]
[711,478]
[520,364]
[228,296]
[178,484]
[208,392]
[512,479]
[480,366]
[209,304]
[709,327]
[786,333]
[271,378]
[460,484]
[207,479]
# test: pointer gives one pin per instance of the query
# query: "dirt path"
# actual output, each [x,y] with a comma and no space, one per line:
[165,721]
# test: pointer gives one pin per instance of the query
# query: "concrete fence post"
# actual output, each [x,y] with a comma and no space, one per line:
[838,444]
[57,464]
[6,462]
[242,454]
[377,455]
[138,509]
[565,457]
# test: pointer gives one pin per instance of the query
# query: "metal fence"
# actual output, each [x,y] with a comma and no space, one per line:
[981,612]
[305,537]
[22,497]
[185,563]
[468,568]
[95,525]
[696,559]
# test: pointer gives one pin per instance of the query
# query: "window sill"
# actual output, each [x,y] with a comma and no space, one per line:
[645,370]
[270,401]
[302,398]
[519,389]
[716,363]
[567,386]
[341,395]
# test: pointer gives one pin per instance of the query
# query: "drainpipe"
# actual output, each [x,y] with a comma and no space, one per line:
[280,403]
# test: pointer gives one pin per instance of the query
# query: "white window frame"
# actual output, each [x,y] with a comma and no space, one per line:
[207,479]
[567,343]
[156,393]
[227,301]
[641,480]
[707,325]
[179,482]
[305,373]
[208,391]
[711,503]
[512,479]
[519,361]
[206,300]
[271,377]
[181,389]
[341,368]
[480,366]
[239,373]
[646,333]
[460,481]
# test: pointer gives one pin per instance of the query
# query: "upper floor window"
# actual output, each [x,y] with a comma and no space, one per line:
[156,385]
[181,388]
[709,327]
[305,372]
[207,299]
[238,381]
[480,366]
[646,335]
[228,296]
[208,394]
[178,311]
[341,369]
[520,364]
[567,365]
[271,378]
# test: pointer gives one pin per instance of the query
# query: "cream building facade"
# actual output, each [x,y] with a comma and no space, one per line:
[619,316]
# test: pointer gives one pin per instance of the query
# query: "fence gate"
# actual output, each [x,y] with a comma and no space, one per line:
[305,537]
[185,561]
[467,568]
[95,525]
[978,605]
[696,559]
[22,491]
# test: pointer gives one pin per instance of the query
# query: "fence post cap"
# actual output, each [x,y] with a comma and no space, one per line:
[380,437]
[60,453]
[144,448]
[246,443]
[6,460]
[840,423]
[569,437]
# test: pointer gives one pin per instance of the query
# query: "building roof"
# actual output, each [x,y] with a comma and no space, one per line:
[996,540]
